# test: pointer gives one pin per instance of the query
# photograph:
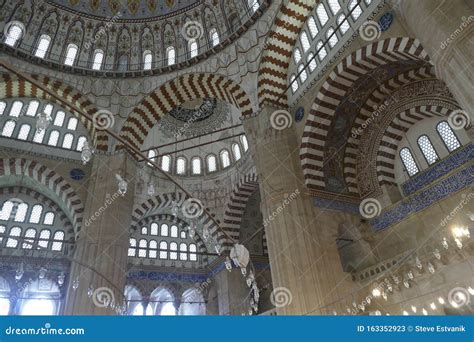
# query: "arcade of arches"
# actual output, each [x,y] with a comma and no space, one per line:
[229,157]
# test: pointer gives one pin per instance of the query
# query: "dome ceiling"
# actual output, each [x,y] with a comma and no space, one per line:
[126,9]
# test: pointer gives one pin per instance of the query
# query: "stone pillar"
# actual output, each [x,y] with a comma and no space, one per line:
[232,293]
[301,238]
[104,238]
[445,30]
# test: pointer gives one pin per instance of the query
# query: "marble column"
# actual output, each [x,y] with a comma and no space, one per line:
[103,240]
[232,293]
[301,238]
[446,31]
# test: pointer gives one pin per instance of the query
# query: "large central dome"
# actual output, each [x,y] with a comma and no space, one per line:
[127,9]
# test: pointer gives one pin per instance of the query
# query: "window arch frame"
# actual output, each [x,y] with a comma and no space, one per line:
[430,147]
[456,139]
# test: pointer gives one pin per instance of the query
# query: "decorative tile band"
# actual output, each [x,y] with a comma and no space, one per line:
[442,168]
[417,202]
[336,205]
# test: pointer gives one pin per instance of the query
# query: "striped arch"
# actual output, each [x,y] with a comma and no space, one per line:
[175,92]
[236,206]
[338,89]
[276,57]
[179,222]
[12,86]
[52,181]
[373,104]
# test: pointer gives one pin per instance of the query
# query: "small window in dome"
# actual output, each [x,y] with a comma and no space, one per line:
[304,41]
[132,249]
[449,138]
[297,55]
[32,108]
[181,166]
[43,239]
[164,229]
[21,211]
[97,60]
[15,111]
[68,140]
[80,143]
[357,10]
[211,163]
[48,218]
[15,33]
[171,55]
[147,60]
[53,138]
[30,234]
[59,118]
[294,83]
[225,159]
[345,25]
[332,36]
[36,212]
[236,151]
[322,14]
[322,53]
[166,163]
[428,150]
[313,28]
[174,231]
[154,229]
[245,143]
[214,35]
[153,246]
[183,255]
[173,251]
[72,124]
[3,105]
[408,161]
[196,165]
[193,48]
[334,6]
[303,73]
[8,128]
[192,250]
[312,62]
[48,109]
[14,232]
[24,131]
[39,136]
[43,46]
[57,245]
[163,250]
[71,54]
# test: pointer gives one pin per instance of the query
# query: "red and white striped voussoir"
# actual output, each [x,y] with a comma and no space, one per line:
[51,180]
[175,92]
[333,92]
[11,86]
[281,40]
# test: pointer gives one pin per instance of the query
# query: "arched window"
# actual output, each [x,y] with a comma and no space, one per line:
[153,249]
[2,231]
[72,124]
[183,255]
[154,229]
[24,131]
[147,60]
[245,144]
[173,251]
[21,211]
[3,105]
[58,238]
[322,53]
[214,36]
[15,33]
[357,11]
[43,242]
[97,59]
[192,254]
[303,73]
[39,136]
[142,248]
[48,109]
[305,41]
[294,83]
[312,62]
[181,166]
[59,118]
[53,138]
[43,46]
[174,231]
[428,150]
[6,210]
[8,128]
[166,163]
[345,25]
[182,234]
[35,216]
[196,165]
[144,231]
[68,140]
[132,249]
[80,143]
[15,111]
[322,14]
[14,232]
[32,108]
[71,54]
[193,48]
[408,161]
[254,5]
[334,6]
[30,234]
[192,303]
[211,163]
[171,55]
[48,218]
[447,135]
[332,39]
[164,230]
[163,250]
[236,151]
[313,28]
[297,55]
[225,159]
